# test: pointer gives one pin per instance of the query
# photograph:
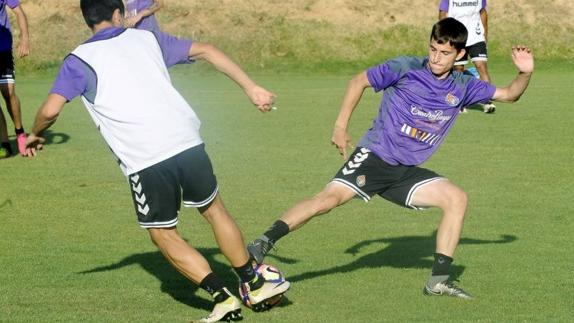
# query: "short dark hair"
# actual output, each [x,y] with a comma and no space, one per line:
[450,31]
[97,11]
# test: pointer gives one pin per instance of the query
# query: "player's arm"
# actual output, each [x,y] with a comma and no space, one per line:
[152,9]
[443,7]
[524,60]
[155,6]
[260,97]
[442,14]
[484,19]
[45,118]
[24,44]
[355,89]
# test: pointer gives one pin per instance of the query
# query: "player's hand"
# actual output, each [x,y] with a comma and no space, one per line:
[23,49]
[131,22]
[523,58]
[341,140]
[34,144]
[261,98]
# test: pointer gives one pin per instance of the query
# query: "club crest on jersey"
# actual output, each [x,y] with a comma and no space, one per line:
[452,100]
[361,180]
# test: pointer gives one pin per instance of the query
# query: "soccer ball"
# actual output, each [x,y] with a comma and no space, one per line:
[270,274]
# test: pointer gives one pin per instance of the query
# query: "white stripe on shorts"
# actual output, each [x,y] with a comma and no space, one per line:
[167,224]
[359,192]
[414,190]
[204,202]
[479,59]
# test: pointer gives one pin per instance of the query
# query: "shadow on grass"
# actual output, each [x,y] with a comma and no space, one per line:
[55,138]
[52,138]
[172,282]
[6,203]
[403,252]
[176,285]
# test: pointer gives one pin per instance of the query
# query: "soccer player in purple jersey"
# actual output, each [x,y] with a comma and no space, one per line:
[7,76]
[422,99]
[140,14]
[121,75]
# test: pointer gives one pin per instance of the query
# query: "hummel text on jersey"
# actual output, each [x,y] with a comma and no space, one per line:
[465,3]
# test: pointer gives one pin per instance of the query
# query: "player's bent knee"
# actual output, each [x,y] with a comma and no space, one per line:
[458,200]
[159,236]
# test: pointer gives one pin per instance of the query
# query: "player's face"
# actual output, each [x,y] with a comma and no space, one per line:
[442,58]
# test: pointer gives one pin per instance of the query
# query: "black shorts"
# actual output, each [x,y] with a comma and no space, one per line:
[157,190]
[7,67]
[367,175]
[477,52]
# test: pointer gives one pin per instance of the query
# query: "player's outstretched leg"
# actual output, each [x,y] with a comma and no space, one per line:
[333,195]
[262,294]
[261,246]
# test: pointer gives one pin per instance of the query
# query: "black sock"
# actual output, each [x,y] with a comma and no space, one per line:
[19,131]
[215,287]
[245,272]
[7,146]
[441,264]
[278,230]
[248,275]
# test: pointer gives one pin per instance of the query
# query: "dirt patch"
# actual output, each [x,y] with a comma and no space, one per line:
[313,31]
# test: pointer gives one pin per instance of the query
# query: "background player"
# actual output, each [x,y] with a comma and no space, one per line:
[422,99]
[121,75]
[474,16]
[140,14]
[7,76]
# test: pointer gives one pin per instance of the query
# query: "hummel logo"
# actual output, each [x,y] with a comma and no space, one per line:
[137,188]
[139,197]
[360,157]
[143,210]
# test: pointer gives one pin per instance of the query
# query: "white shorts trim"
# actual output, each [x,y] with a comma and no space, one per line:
[459,63]
[7,81]
[479,59]
[414,190]
[357,190]
[152,225]
[204,202]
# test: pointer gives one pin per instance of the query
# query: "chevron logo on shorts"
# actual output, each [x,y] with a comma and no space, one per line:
[139,196]
[354,164]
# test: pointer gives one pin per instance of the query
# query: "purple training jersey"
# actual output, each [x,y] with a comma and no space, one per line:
[417,109]
[5,32]
[75,77]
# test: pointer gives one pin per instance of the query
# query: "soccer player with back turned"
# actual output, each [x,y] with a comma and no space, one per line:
[423,96]
[121,75]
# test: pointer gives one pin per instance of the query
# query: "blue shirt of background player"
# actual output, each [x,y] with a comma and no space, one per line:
[5,32]
[417,110]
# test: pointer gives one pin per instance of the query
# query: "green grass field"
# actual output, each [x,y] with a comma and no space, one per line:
[71,249]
